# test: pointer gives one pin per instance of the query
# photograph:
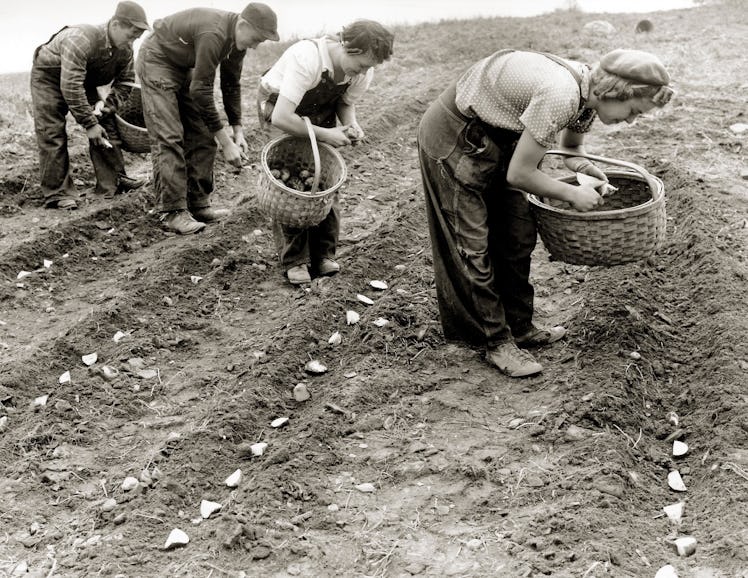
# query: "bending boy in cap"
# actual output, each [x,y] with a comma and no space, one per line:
[480,145]
[177,67]
[65,74]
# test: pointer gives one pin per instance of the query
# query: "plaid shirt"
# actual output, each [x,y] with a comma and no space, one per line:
[81,58]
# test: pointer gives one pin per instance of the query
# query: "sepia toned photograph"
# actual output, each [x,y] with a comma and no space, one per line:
[374,289]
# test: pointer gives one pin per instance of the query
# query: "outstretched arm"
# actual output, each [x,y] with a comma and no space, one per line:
[285,118]
[524,174]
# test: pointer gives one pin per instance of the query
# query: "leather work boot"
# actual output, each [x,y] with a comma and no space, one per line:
[299,275]
[209,214]
[327,267]
[513,361]
[537,337]
[182,222]
[126,184]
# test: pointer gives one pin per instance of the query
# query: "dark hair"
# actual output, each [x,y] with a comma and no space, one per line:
[368,36]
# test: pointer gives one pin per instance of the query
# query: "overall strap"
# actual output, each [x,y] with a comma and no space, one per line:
[51,38]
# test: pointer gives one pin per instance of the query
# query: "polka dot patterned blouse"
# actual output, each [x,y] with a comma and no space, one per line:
[520,91]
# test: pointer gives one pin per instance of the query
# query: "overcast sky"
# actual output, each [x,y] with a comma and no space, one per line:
[24,24]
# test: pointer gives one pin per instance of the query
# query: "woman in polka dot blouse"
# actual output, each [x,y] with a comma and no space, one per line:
[480,145]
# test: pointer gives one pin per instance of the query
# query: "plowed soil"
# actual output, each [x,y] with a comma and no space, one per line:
[412,456]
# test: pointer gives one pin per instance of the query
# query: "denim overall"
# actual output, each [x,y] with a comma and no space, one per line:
[482,231]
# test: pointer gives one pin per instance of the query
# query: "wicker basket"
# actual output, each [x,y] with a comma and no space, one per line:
[288,206]
[131,124]
[630,227]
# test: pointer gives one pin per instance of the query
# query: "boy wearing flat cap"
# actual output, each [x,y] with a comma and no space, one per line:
[65,74]
[480,147]
[177,67]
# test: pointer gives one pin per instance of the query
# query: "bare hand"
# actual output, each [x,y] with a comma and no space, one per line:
[98,136]
[232,154]
[594,171]
[336,136]
[354,132]
[585,198]
[241,142]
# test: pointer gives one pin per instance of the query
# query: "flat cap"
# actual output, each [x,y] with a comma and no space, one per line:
[636,65]
[262,18]
[133,13]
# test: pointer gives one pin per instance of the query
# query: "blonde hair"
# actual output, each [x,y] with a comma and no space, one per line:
[612,87]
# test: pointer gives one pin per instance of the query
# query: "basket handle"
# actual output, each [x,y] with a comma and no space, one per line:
[633,166]
[315,151]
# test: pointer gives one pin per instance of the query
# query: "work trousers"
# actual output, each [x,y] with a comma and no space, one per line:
[482,231]
[183,149]
[50,110]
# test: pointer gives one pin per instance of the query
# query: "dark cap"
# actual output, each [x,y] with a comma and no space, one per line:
[636,65]
[262,18]
[128,11]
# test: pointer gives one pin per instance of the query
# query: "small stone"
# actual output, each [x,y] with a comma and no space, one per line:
[366,488]
[109,505]
[576,433]
[168,301]
[90,359]
[41,401]
[672,417]
[145,477]
[118,337]
[333,508]
[635,355]
[147,373]
[130,483]
[301,392]
[279,422]
[64,378]
[234,479]
[176,539]
[380,322]
[3,422]
[195,279]
[474,544]
[739,127]
[379,285]
[208,508]
[314,366]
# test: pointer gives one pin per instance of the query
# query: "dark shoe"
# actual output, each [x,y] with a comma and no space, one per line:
[182,222]
[65,203]
[327,267]
[126,184]
[537,337]
[299,275]
[209,214]
[513,361]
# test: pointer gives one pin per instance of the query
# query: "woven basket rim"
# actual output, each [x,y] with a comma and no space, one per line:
[656,188]
[305,195]
[130,125]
